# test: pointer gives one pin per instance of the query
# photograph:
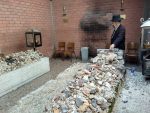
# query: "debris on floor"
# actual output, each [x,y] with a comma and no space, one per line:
[134,96]
[94,88]
[16,60]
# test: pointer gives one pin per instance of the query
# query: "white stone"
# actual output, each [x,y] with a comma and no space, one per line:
[14,79]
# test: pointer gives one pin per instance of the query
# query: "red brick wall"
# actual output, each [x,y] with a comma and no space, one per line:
[16,16]
[134,11]
[71,31]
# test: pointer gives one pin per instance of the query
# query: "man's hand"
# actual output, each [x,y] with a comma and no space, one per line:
[112,46]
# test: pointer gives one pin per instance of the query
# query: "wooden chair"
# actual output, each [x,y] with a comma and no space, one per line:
[70,50]
[60,50]
[132,52]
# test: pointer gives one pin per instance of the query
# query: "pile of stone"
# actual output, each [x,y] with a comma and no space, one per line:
[16,60]
[93,89]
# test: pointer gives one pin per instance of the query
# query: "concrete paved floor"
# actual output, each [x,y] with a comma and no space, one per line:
[56,66]
[133,98]
[135,94]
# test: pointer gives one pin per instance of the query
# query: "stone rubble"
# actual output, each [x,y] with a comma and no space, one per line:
[82,88]
[40,100]
[93,89]
[131,99]
[16,60]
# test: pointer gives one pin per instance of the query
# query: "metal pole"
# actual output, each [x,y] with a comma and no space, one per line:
[34,41]
[53,34]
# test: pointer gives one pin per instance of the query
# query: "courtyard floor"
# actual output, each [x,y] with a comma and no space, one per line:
[134,96]
[10,99]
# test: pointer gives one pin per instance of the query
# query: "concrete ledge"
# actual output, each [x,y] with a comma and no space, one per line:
[14,79]
[36,101]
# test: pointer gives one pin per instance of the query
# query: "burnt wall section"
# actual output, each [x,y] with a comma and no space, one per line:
[75,10]
[95,21]
[18,16]
[95,25]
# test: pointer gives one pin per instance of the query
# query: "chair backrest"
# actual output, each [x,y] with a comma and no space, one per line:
[61,45]
[70,46]
[132,47]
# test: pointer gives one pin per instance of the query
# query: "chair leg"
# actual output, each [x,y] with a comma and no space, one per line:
[63,56]
[71,57]
[54,55]
[75,54]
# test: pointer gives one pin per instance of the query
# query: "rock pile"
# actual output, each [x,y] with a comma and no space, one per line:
[93,89]
[17,60]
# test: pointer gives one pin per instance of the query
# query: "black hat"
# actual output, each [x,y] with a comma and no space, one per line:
[116,18]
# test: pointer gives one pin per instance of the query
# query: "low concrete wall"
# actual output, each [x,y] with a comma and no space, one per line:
[36,101]
[14,79]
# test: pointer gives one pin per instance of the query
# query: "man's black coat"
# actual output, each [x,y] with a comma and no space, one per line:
[118,38]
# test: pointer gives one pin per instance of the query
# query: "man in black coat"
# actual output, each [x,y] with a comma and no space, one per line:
[118,36]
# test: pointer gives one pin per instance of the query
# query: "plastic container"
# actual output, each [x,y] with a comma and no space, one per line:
[85,54]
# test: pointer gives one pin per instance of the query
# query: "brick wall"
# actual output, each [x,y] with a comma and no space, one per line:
[70,31]
[16,16]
